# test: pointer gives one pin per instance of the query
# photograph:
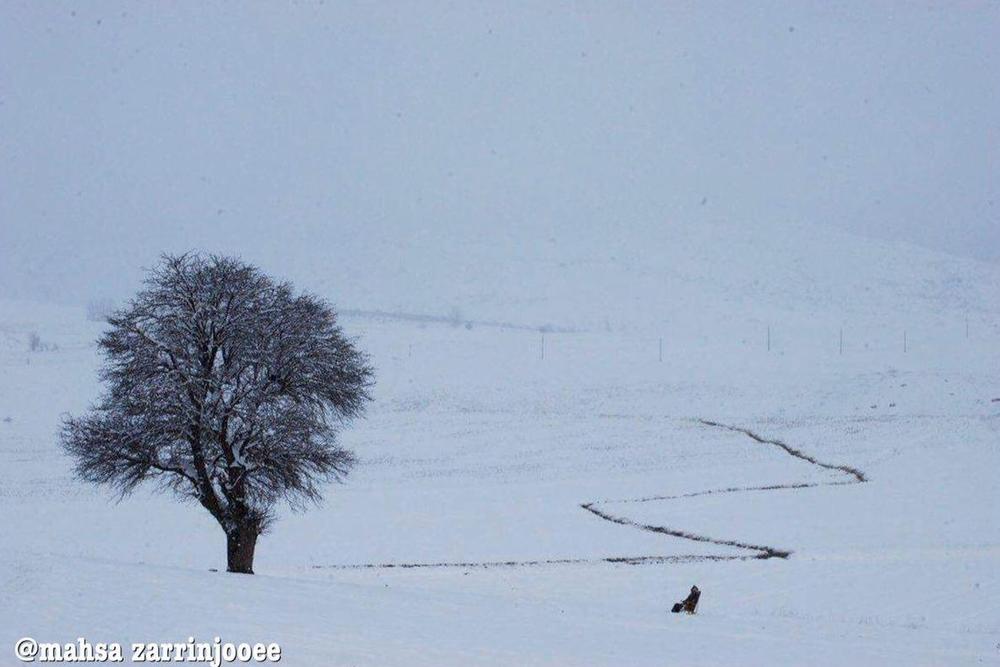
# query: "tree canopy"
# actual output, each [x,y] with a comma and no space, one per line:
[224,386]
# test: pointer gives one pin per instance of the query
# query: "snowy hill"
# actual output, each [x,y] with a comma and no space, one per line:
[463,537]
[640,288]
[651,276]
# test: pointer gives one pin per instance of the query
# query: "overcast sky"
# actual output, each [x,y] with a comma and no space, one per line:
[130,129]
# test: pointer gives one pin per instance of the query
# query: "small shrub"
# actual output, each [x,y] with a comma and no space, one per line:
[36,344]
[98,310]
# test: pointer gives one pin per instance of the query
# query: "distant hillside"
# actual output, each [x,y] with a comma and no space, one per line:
[648,277]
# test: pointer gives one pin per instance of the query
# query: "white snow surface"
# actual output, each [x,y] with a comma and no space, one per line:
[477,450]
[664,189]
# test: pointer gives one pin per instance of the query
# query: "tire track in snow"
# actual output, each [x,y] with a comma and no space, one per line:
[759,551]
[762,551]
[485,565]
[853,472]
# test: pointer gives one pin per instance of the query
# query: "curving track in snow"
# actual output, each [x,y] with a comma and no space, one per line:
[756,551]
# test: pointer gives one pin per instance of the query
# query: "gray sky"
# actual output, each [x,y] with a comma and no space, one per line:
[290,132]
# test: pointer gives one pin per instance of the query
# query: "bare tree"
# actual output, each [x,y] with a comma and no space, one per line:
[224,387]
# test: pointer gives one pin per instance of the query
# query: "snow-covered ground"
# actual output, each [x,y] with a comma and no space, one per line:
[476,458]
[603,256]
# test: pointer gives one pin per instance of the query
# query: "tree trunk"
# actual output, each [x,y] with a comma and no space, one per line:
[240,544]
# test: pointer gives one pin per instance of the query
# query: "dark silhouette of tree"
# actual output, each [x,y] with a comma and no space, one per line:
[226,387]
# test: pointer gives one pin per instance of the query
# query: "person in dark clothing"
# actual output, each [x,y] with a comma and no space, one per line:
[690,603]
